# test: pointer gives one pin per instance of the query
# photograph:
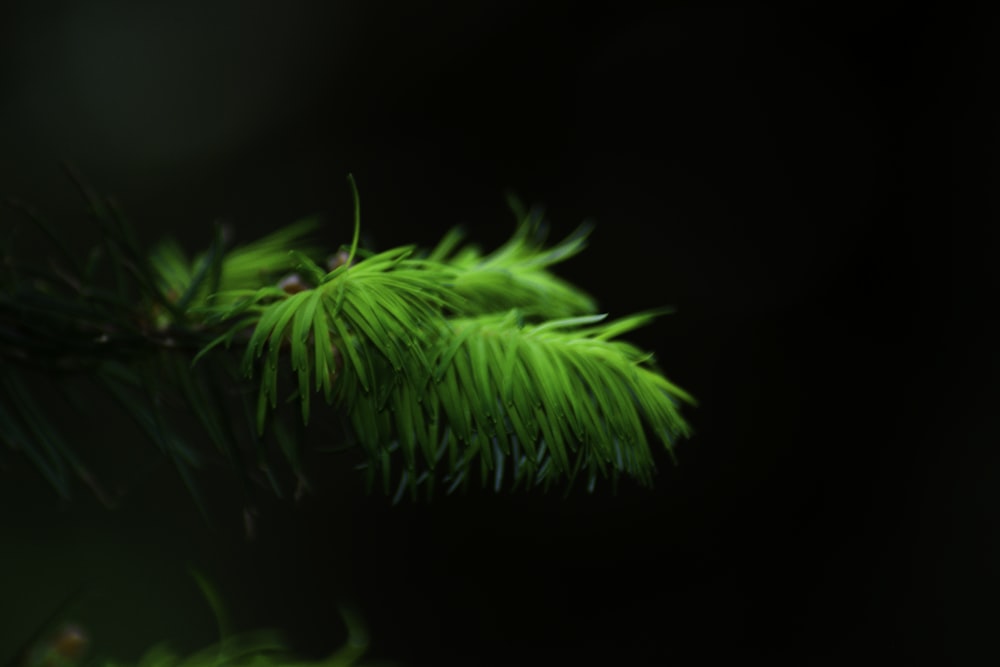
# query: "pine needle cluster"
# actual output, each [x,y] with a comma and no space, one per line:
[448,364]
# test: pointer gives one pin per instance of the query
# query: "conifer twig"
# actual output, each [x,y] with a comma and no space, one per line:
[449,364]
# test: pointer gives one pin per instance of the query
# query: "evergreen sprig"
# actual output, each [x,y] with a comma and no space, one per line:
[445,360]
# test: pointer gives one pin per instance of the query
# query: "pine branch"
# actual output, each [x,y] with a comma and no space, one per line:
[444,361]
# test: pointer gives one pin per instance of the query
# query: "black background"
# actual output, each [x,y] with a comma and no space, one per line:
[807,187]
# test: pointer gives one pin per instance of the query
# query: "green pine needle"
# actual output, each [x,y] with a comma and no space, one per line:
[450,364]
[550,400]
[515,275]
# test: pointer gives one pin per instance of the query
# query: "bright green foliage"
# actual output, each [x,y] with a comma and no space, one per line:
[533,402]
[385,305]
[193,284]
[445,361]
[515,275]
[436,356]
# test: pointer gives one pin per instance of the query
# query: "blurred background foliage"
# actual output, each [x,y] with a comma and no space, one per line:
[760,169]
